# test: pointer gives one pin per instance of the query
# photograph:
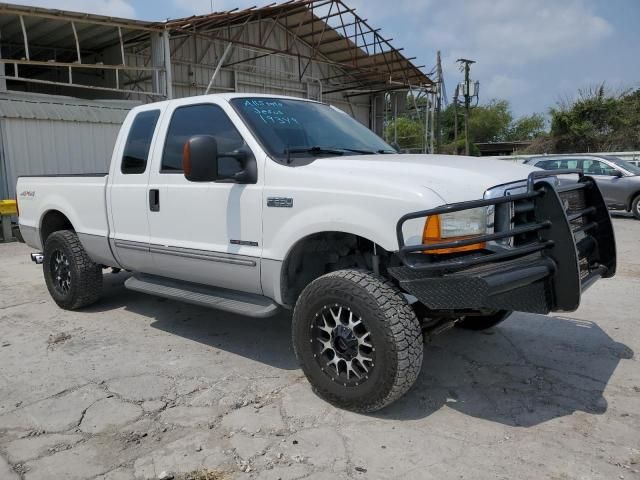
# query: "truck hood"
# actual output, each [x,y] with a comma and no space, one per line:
[452,178]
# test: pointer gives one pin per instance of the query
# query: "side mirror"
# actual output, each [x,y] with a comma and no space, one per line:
[396,147]
[200,159]
[618,174]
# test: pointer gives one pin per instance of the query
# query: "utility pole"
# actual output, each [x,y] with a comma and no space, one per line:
[439,93]
[433,122]
[465,65]
[455,119]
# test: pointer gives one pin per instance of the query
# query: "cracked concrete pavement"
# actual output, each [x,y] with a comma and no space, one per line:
[136,386]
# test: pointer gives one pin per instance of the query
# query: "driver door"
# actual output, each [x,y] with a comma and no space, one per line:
[204,232]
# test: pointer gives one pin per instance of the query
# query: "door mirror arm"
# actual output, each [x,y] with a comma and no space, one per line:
[249,172]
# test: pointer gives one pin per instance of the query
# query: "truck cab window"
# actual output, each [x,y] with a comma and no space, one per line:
[203,119]
[136,150]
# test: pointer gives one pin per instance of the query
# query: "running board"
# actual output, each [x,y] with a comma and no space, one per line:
[240,303]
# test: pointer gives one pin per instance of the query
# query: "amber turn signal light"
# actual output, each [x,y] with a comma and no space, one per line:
[432,234]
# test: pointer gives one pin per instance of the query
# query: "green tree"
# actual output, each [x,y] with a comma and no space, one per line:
[527,127]
[490,122]
[597,120]
[410,133]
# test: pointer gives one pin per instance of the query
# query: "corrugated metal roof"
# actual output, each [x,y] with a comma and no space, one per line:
[43,107]
[335,34]
[364,54]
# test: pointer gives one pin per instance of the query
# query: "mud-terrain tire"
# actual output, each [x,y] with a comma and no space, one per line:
[635,207]
[378,363]
[73,279]
[484,322]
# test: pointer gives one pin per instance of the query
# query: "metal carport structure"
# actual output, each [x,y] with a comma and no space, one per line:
[319,49]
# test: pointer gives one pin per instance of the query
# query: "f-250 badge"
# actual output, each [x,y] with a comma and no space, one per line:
[280,202]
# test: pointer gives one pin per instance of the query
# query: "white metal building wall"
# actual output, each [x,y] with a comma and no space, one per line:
[42,147]
[65,139]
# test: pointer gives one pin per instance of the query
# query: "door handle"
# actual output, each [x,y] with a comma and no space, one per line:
[154,200]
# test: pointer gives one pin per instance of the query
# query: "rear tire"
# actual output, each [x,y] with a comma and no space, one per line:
[358,341]
[635,207]
[485,321]
[73,279]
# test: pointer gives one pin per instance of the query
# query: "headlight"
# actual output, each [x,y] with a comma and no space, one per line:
[455,226]
[463,223]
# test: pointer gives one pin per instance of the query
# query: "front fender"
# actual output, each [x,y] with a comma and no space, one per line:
[282,234]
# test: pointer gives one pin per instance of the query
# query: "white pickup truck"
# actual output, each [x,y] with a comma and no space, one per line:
[254,204]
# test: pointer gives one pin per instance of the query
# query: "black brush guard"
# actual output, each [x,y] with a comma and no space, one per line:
[560,240]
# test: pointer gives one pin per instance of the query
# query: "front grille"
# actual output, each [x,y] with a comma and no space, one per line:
[523,213]
[522,225]
[573,202]
[583,264]
[564,230]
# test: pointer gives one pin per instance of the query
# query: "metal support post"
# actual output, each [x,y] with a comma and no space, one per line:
[219,66]
[167,64]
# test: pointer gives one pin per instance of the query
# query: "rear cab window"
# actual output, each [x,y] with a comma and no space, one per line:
[136,149]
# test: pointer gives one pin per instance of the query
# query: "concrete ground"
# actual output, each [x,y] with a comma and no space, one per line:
[136,386]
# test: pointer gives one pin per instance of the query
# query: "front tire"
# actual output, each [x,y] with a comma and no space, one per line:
[73,279]
[358,341]
[635,207]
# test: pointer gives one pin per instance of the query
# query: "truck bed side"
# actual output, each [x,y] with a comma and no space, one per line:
[80,199]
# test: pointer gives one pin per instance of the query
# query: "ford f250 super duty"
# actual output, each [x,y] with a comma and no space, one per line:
[254,204]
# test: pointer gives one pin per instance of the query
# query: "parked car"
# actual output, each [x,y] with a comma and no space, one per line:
[253,204]
[619,180]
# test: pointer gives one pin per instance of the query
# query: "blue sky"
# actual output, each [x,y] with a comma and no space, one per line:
[531,52]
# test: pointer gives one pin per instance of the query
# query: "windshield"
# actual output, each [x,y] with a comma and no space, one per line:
[629,167]
[291,129]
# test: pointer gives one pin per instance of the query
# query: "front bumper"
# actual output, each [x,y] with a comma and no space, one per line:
[560,240]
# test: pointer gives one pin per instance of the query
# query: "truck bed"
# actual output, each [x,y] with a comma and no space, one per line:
[81,198]
[66,175]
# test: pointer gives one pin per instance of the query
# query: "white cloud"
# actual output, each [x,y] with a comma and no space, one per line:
[200,7]
[504,86]
[379,10]
[112,8]
[375,10]
[514,32]
[372,9]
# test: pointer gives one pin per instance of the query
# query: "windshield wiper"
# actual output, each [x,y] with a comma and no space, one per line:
[314,150]
[357,150]
[331,151]
[367,152]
